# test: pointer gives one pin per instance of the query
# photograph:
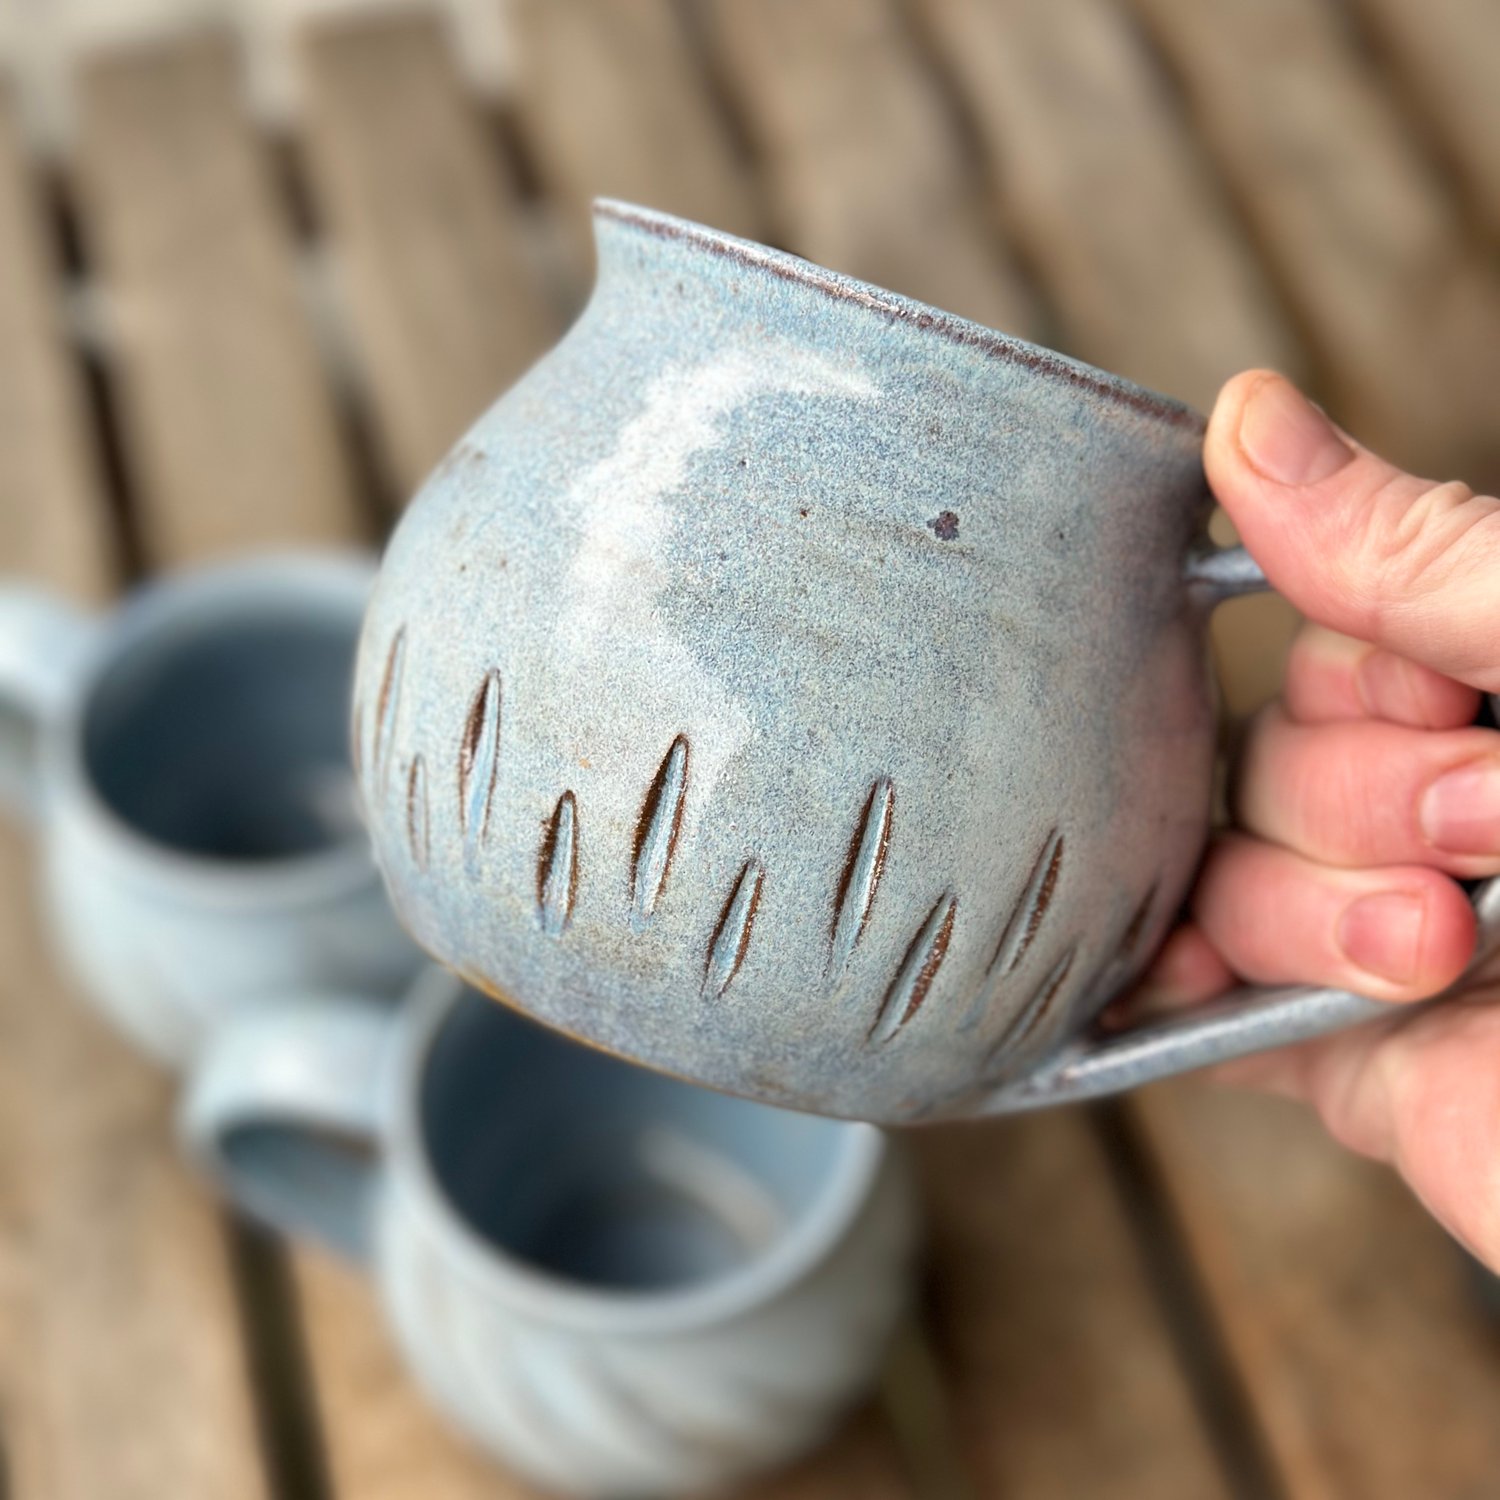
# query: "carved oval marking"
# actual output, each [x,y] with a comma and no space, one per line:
[1026,918]
[479,761]
[418,826]
[656,833]
[387,704]
[557,868]
[861,877]
[731,939]
[1035,1011]
[909,989]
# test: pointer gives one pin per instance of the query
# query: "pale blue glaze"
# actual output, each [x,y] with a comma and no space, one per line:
[802,686]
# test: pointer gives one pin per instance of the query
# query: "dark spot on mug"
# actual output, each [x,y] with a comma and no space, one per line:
[744,463]
[803,514]
[945,526]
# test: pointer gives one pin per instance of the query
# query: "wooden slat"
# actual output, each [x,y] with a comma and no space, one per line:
[1063,1383]
[208,330]
[865,169]
[120,1369]
[614,103]
[53,523]
[1448,52]
[1371,1366]
[1118,210]
[382,1441]
[444,306]
[1404,308]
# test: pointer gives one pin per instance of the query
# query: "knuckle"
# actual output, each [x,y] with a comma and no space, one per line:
[1415,537]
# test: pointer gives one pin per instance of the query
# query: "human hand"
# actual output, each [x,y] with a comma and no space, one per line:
[1361,794]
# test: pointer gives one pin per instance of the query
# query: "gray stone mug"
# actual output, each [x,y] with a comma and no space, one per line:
[613,1281]
[802,690]
[184,762]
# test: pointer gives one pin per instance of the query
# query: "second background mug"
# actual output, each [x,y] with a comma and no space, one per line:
[616,1282]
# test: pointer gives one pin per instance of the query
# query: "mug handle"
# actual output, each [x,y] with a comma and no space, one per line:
[1247,1020]
[43,642]
[284,1110]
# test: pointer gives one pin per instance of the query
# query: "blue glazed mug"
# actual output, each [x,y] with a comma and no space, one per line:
[184,763]
[802,690]
[614,1282]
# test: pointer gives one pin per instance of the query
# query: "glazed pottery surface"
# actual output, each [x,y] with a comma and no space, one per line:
[803,691]
[185,763]
[616,1282]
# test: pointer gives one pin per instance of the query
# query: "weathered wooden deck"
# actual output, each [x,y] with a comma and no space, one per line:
[214,339]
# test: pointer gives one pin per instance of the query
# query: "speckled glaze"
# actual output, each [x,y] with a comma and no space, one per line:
[699,1372]
[792,687]
[165,937]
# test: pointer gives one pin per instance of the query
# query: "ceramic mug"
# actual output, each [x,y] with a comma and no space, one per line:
[185,763]
[804,691]
[617,1283]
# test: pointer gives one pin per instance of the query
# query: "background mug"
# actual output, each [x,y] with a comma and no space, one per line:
[614,1281]
[185,763]
[804,691]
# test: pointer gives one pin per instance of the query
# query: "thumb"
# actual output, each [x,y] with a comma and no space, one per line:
[1354,543]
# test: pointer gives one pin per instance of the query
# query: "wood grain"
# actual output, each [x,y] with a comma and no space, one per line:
[1403,305]
[444,305]
[384,1442]
[1448,54]
[1062,1378]
[1118,209]
[381,1439]
[205,317]
[120,1368]
[858,147]
[1363,1348]
[613,102]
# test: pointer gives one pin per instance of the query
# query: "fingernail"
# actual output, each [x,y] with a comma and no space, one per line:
[1460,811]
[1383,935]
[1286,438]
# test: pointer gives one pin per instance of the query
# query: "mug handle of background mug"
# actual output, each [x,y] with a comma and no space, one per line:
[284,1109]
[1247,1020]
[43,642]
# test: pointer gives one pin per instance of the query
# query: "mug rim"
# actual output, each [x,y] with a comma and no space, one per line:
[809,1239]
[206,595]
[1087,379]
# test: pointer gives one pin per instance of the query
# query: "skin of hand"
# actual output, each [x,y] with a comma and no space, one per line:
[1360,795]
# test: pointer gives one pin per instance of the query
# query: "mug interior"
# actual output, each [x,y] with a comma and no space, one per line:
[226,736]
[600,1174]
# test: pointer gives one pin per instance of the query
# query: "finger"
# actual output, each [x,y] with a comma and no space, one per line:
[1405,563]
[1188,969]
[1397,933]
[1373,793]
[1423,1093]
[1330,677]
